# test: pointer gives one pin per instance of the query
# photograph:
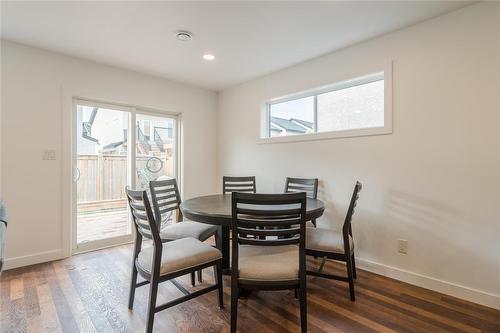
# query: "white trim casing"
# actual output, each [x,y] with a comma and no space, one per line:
[33,259]
[383,73]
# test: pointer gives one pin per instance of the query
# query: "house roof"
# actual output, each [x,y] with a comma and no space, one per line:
[290,125]
[275,128]
[307,124]
[287,124]
[112,146]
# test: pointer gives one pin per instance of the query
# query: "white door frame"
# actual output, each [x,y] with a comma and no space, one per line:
[131,166]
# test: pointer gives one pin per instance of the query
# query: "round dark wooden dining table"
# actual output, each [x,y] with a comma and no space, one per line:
[216,209]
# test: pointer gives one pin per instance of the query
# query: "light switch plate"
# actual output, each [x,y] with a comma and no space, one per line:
[49,154]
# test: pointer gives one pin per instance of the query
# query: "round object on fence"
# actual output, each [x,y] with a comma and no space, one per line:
[77,174]
[154,164]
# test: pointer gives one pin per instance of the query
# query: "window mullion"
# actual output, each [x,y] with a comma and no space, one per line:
[315,113]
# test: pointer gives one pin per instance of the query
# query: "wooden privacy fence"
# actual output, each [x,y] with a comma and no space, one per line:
[103,177]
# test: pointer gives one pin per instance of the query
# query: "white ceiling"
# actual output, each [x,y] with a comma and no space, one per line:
[249,39]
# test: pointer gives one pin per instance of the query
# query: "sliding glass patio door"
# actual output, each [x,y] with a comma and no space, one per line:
[104,163]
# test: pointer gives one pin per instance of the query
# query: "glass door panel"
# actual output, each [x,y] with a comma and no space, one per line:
[101,174]
[155,149]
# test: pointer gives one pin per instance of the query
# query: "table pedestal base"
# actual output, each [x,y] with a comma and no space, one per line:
[223,244]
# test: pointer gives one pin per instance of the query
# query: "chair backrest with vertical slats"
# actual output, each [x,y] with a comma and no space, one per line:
[166,199]
[238,184]
[142,215]
[268,219]
[350,210]
[308,185]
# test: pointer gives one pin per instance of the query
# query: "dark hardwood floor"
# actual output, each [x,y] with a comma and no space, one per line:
[88,293]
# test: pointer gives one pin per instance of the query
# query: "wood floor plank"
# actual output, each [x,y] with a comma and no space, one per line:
[316,323]
[392,288]
[16,288]
[422,312]
[91,297]
[31,303]
[352,315]
[455,315]
[49,322]
[17,316]
[77,308]
[373,309]
[472,306]
[5,321]
[405,292]
[63,307]
[89,293]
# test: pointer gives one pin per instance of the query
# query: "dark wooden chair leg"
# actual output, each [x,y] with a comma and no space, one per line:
[303,308]
[322,265]
[200,276]
[296,293]
[313,221]
[218,279]
[193,279]
[350,276]
[354,267]
[153,291]
[133,284]
[234,307]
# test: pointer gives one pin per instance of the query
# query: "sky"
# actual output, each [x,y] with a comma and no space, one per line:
[302,109]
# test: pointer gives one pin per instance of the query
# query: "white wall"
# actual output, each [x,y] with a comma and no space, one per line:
[37,89]
[434,181]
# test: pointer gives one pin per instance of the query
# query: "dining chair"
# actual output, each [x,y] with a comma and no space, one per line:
[166,201]
[166,261]
[335,245]
[238,184]
[264,263]
[308,185]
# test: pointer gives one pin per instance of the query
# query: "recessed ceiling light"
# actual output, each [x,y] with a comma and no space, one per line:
[184,36]
[209,57]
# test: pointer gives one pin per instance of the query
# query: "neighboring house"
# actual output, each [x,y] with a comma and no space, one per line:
[281,126]
[104,131]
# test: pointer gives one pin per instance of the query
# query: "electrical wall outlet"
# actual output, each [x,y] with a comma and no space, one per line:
[49,154]
[402,246]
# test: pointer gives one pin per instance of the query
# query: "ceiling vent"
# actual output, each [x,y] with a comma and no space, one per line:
[184,36]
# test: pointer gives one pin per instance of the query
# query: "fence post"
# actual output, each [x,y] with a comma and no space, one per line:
[100,177]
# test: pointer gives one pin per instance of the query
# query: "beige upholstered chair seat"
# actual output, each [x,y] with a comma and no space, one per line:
[185,229]
[269,263]
[178,255]
[327,240]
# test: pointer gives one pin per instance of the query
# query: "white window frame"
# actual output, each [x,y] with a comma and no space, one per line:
[385,74]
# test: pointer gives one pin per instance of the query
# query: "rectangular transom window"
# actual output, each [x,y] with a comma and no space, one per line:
[360,106]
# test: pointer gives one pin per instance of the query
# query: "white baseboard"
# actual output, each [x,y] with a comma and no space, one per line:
[32,259]
[448,288]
